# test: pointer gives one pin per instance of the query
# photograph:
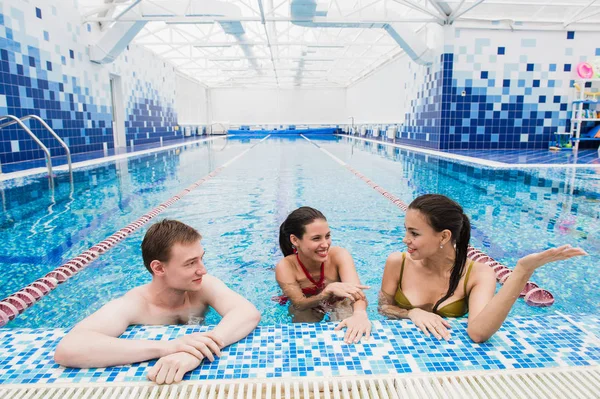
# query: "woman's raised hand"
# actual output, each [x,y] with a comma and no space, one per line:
[531,262]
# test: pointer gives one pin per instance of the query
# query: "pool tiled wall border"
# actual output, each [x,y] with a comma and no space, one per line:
[299,350]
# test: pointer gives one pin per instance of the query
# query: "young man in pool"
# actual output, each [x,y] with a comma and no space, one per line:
[180,292]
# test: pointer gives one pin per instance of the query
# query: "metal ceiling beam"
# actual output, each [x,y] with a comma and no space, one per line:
[264,24]
[321,44]
[289,58]
[539,25]
[530,3]
[274,68]
[456,10]
[461,13]
[418,7]
[210,20]
[578,13]
[444,10]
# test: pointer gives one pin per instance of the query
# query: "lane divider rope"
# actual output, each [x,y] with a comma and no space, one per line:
[17,303]
[532,293]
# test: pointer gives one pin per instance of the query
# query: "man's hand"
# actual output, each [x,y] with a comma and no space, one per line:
[200,345]
[171,368]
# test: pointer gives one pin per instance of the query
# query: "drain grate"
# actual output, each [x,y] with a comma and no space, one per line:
[572,382]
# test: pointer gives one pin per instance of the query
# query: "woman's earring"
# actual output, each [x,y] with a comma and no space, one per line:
[441,245]
[294,250]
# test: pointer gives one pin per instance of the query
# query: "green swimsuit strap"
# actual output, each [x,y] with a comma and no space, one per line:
[402,270]
[467,275]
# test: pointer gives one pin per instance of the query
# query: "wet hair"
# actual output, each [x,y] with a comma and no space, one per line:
[295,224]
[444,214]
[161,237]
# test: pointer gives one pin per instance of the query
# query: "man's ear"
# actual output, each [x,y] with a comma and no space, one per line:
[157,267]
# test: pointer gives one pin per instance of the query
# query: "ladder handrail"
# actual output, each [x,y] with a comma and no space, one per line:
[56,136]
[35,138]
[210,125]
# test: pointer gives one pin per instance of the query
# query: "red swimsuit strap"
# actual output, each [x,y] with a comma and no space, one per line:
[318,284]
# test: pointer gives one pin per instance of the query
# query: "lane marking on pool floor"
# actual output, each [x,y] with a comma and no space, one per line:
[17,303]
[532,293]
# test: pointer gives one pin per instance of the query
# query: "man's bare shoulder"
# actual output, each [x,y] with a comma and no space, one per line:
[117,314]
[135,301]
[210,283]
[137,294]
[211,290]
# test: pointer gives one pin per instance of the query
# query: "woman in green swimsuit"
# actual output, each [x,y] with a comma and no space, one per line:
[434,278]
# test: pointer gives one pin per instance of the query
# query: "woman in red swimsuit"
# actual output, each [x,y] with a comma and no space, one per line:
[318,278]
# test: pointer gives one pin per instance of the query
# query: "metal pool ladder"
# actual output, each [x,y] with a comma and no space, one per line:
[19,121]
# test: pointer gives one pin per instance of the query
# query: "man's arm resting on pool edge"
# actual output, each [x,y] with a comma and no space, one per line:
[94,341]
[239,316]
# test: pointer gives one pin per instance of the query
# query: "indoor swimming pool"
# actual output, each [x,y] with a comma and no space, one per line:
[248,186]
[228,115]
[238,212]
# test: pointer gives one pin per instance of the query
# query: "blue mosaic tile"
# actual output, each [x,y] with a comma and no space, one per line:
[588,323]
[43,72]
[316,350]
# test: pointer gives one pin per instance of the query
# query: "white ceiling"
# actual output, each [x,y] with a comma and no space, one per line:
[276,53]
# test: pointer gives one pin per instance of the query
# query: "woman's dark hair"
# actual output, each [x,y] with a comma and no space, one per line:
[444,214]
[294,224]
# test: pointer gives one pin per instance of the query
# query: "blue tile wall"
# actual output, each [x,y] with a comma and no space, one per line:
[508,90]
[493,89]
[147,121]
[423,122]
[45,71]
[32,82]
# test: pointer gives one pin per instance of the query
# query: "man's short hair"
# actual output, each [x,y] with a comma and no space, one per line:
[161,237]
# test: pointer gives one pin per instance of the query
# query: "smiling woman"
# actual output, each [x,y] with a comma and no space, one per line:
[305,240]
[440,279]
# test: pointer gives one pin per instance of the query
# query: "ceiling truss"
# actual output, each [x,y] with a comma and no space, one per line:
[287,55]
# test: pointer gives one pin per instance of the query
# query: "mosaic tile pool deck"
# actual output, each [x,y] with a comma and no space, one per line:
[316,350]
[94,155]
[546,157]
[585,157]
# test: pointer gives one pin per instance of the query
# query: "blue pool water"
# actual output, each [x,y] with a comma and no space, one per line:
[238,212]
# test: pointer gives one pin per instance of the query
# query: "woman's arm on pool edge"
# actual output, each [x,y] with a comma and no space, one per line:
[487,311]
[358,324]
